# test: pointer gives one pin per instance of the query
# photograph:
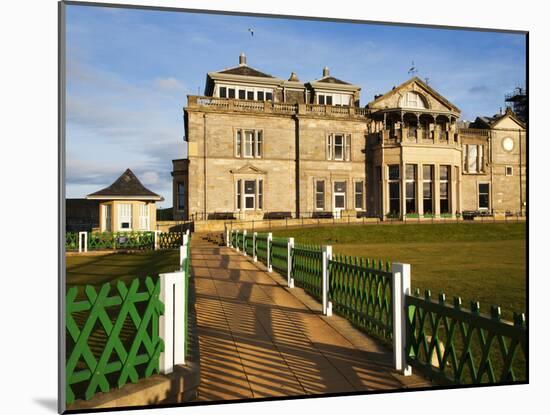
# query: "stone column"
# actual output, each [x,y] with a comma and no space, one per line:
[452,191]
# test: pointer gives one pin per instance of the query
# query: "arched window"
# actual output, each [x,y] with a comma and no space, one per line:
[412,100]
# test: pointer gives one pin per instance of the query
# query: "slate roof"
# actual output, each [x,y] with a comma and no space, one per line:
[245,70]
[333,80]
[127,185]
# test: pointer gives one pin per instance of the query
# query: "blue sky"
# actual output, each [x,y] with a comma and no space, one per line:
[129,73]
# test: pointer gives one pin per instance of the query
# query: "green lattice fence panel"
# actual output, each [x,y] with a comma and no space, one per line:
[279,255]
[112,336]
[360,289]
[261,247]
[101,240]
[249,244]
[170,240]
[307,268]
[120,240]
[71,241]
[240,240]
[234,239]
[455,345]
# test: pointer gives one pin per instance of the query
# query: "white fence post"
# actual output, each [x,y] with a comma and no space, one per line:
[227,240]
[254,256]
[401,286]
[82,247]
[269,240]
[171,323]
[244,242]
[327,255]
[183,250]
[290,247]
[157,240]
[237,241]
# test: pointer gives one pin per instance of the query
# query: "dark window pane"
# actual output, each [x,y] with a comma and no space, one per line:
[359,200]
[260,95]
[239,182]
[484,188]
[428,206]
[249,203]
[339,187]
[359,187]
[394,190]
[321,100]
[484,201]
[443,190]
[411,172]
[269,96]
[320,201]
[320,186]
[410,189]
[329,100]
[250,95]
[394,172]
[427,189]
[181,196]
[250,187]
[428,172]
[223,92]
[444,206]
[231,92]
[444,172]
[411,206]
[125,225]
[242,94]
[260,194]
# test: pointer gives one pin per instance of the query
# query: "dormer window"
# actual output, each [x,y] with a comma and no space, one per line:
[244,92]
[333,99]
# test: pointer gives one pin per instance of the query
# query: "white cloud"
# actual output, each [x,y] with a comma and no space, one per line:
[168,84]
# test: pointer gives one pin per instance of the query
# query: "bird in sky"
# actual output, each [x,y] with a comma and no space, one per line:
[251,30]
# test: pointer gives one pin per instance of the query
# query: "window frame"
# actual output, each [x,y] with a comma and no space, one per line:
[361,194]
[120,217]
[431,182]
[317,193]
[488,196]
[180,196]
[447,183]
[257,197]
[414,182]
[506,171]
[241,143]
[331,146]
[394,181]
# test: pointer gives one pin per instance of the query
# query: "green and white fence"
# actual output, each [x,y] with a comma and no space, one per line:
[447,342]
[122,332]
[142,240]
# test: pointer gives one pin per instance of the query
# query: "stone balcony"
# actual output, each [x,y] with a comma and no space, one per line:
[418,136]
[195,102]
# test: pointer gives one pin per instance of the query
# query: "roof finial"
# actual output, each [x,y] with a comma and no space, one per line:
[242,59]
[325,71]
[412,70]
[293,77]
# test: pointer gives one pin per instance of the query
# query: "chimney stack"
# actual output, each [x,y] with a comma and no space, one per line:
[325,71]
[242,59]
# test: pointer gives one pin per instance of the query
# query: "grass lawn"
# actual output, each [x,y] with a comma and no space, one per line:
[99,269]
[481,262]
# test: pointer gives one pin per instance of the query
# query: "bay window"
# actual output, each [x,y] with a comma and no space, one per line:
[249,194]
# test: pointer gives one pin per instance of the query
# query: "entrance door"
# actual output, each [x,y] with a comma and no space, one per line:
[339,198]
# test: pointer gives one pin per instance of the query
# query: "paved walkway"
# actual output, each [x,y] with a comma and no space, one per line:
[258,339]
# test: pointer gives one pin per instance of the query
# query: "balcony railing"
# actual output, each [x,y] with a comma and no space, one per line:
[473,132]
[239,105]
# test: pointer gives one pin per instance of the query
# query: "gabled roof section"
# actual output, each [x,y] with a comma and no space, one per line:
[492,122]
[420,84]
[333,80]
[127,186]
[245,70]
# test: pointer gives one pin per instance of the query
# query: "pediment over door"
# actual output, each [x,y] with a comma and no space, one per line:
[248,169]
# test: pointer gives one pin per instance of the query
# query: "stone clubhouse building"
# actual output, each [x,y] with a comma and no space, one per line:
[264,147]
